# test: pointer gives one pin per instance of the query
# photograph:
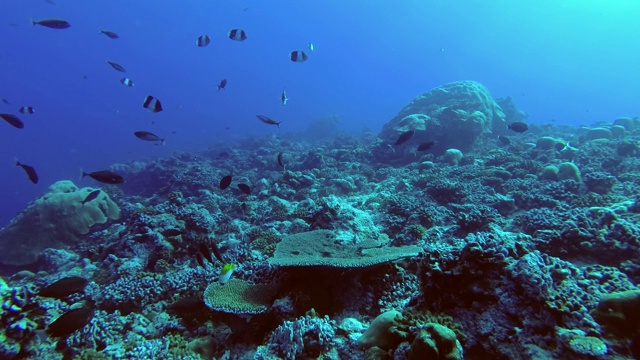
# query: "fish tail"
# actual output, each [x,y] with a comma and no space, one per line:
[101,32]
[278,124]
[33,23]
[162,141]
[17,162]
[82,174]
[219,87]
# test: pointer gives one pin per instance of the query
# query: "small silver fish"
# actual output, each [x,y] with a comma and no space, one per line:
[284,98]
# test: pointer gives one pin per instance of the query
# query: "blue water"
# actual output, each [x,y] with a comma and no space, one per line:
[573,62]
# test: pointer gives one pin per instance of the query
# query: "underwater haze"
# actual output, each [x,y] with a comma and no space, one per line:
[573,62]
[319,179]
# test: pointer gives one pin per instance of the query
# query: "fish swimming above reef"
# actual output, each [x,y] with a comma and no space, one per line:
[518,127]
[237,35]
[245,189]
[222,85]
[51,23]
[225,182]
[126,82]
[26,110]
[280,160]
[109,34]
[103,176]
[116,66]
[92,196]
[171,232]
[187,305]
[152,104]
[268,120]
[203,40]
[225,273]
[200,260]
[12,120]
[31,172]
[204,250]
[69,322]
[503,140]
[298,56]
[404,137]
[426,145]
[148,136]
[64,287]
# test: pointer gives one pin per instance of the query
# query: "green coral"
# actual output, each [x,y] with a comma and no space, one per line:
[416,231]
[239,297]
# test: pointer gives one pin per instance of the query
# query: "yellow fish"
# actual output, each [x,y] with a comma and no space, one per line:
[225,274]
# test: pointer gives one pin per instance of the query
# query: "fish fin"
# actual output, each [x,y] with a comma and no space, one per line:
[33,23]
[82,174]
[216,252]
[278,124]
[163,140]
[17,162]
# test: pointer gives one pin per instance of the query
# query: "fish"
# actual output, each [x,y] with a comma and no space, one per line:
[216,252]
[203,40]
[284,98]
[51,23]
[171,232]
[426,145]
[31,172]
[504,140]
[69,322]
[225,273]
[103,176]
[244,188]
[238,35]
[518,127]
[148,136]
[152,104]
[280,159]
[222,85]
[109,34]
[64,287]
[26,110]
[12,120]
[92,195]
[298,56]
[116,66]
[126,82]
[404,137]
[268,120]
[225,182]
[200,260]
[205,252]
[561,145]
[5,101]
[187,305]
[310,46]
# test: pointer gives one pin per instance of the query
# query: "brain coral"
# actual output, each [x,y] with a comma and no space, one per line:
[56,219]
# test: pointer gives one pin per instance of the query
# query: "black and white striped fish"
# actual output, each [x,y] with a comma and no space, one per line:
[238,35]
[298,56]
[152,104]
[203,40]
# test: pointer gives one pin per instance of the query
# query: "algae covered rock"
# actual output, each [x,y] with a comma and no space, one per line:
[56,219]
[454,115]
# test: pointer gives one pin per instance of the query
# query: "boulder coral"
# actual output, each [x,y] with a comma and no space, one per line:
[455,115]
[56,219]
